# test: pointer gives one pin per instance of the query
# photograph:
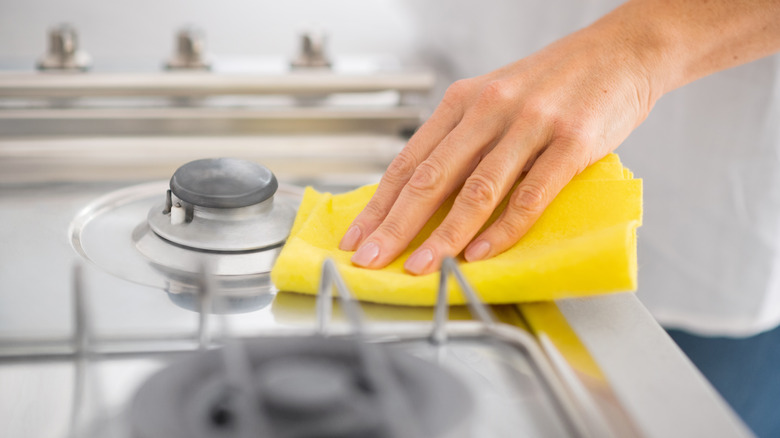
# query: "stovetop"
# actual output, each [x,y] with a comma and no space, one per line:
[135,330]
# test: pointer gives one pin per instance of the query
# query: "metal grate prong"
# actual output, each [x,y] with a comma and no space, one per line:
[441,313]
[400,420]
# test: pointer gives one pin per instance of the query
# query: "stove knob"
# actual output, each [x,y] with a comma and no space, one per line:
[312,54]
[63,52]
[223,183]
[190,51]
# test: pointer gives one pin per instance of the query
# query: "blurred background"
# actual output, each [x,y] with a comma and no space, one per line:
[140,33]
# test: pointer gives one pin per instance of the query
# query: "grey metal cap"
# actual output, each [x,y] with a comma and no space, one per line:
[223,183]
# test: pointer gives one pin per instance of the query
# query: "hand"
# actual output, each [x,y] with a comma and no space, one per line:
[546,117]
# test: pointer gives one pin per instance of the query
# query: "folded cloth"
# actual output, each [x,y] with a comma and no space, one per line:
[583,244]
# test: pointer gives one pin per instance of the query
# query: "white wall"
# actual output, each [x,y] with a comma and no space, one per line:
[118,31]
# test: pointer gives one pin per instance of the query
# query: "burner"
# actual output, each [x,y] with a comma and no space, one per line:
[310,387]
[226,213]
[222,204]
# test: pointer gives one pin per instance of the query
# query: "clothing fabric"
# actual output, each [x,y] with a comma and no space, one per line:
[709,153]
[710,253]
[583,244]
[745,373]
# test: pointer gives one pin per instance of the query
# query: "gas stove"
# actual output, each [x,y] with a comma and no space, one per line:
[135,299]
[209,242]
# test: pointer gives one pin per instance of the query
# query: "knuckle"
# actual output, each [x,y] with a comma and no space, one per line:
[458,91]
[478,191]
[497,93]
[507,232]
[528,199]
[449,236]
[372,211]
[392,230]
[575,135]
[575,145]
[574,149]
[401,168]
[426,177]
[536,109]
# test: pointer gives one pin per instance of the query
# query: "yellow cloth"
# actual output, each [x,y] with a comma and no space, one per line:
[583,244]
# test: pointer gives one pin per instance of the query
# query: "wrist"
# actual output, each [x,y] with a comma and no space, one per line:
[648,51]
[677,42]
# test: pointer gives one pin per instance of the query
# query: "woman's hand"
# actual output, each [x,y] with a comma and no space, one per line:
[550,115]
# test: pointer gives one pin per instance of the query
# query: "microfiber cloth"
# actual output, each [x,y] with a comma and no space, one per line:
[583,244]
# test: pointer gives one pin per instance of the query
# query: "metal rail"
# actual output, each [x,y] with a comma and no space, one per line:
[198,84]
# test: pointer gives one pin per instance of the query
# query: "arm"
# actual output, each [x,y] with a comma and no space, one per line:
[547,116]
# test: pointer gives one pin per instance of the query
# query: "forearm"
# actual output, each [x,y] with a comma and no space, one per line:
[679,41]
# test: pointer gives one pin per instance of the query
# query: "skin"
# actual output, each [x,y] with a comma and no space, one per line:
[546,118]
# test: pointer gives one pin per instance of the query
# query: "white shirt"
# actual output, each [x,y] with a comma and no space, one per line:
[709,154]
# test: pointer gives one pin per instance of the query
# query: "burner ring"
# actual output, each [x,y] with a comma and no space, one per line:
[192,398]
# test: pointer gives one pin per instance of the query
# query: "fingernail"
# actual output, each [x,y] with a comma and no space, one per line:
[419,261]
[350,239]
[366,254]
[477,251]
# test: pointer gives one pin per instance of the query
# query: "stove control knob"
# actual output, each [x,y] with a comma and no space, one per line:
[63,52]
[312,54]
[223,183]
[190,51]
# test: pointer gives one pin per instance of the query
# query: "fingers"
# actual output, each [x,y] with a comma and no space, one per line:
[559,163]
[480,195]
[432,182]
[430,134]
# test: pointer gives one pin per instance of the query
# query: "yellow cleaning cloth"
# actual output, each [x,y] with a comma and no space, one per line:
[583,244]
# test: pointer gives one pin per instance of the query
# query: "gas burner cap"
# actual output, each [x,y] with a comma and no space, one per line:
[222,205]
[223,183]
[313,387]
[301,387]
